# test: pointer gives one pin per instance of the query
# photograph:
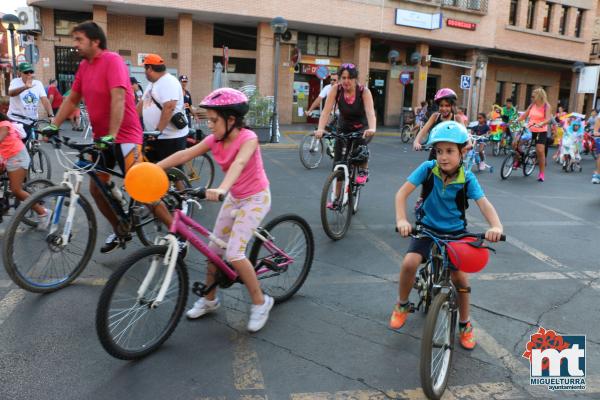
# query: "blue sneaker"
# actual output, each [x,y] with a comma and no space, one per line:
[596,178]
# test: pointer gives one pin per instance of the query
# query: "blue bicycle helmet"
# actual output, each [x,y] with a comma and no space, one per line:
[448,131]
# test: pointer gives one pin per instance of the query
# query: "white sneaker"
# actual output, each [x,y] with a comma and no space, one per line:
[260,314]
[202,307]
[43,221]
[481,166]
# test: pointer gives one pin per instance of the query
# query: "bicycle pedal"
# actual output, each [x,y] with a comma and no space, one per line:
[412,307]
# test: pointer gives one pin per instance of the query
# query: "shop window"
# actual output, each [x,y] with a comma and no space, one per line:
[499,91]
[512,15]
[155,26]
[595,48]
[528,93]
[234,37]
[563,20]
[530,14]
[237,65]
[514,93]
[379,51]
[319,45]
[64,21]
[578,22]
[547,14]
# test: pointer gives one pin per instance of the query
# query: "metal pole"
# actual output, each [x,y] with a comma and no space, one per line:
[274,122]
[402,108]
[12,47]
[321,103]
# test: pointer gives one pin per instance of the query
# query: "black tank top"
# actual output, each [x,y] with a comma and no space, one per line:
[352,116]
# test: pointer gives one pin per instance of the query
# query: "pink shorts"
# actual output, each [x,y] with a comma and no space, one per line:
[236,222]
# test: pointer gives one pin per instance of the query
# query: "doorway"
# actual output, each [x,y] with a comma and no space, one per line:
[433,85]
[67,62]
[377,85]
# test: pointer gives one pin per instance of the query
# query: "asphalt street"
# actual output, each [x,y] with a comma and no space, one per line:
[331,340]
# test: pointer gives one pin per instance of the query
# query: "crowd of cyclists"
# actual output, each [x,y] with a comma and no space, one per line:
[103,83]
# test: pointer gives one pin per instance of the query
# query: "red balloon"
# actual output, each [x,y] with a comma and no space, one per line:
[466,257]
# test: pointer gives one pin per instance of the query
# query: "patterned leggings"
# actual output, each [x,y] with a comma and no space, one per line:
[236,221]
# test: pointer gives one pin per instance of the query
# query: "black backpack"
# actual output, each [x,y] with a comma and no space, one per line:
[462,203]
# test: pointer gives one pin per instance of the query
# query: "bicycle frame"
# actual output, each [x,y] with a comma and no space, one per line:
[184,226]
[344,166]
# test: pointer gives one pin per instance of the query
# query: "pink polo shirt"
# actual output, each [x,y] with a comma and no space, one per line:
[93,81]
[253,178]
[12,143]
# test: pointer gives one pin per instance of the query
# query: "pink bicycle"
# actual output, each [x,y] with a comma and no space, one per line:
[143,300]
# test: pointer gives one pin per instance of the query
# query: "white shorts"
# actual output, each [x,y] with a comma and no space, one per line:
[20,160]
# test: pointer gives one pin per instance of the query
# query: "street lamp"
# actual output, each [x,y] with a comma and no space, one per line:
[12,23]
[279,26]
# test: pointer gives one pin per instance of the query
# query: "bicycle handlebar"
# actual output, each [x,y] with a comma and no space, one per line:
[199,193]
[417,229]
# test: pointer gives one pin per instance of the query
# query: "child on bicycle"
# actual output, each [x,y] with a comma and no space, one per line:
[481,129]
[441,212]
[236,150]
[570,145]
[16,162]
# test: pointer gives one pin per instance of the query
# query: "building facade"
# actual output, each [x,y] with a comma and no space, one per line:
[506,47]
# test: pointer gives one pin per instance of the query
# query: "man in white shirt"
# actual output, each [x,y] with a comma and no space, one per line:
[25,95]
[162,99]
[333,79]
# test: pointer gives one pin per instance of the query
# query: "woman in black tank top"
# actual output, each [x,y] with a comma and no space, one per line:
[445,99]
[357,113]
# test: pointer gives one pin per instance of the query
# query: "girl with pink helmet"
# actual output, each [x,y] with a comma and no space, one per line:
[445,99]
[248,199]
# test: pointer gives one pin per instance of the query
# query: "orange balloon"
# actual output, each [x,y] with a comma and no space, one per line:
[146,182]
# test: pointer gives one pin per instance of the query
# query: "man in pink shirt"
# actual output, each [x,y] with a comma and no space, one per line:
[102,80]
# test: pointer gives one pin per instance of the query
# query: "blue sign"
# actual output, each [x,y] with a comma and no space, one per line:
[405,77]
[465,82]
[322,72]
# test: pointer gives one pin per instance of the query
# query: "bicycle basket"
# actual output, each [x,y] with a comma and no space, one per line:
[468,254]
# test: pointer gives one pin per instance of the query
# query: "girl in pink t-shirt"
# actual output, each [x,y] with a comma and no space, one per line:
[15,159]
[236,150]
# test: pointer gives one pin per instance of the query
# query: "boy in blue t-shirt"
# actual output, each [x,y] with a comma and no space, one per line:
[440,212]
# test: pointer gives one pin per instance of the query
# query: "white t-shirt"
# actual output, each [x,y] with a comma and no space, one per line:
[166,88]
[325,91]
[27,102]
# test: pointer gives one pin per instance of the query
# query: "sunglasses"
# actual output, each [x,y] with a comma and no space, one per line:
[27,72]
[349,66]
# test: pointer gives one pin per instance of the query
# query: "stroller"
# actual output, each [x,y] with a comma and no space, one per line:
[570,147]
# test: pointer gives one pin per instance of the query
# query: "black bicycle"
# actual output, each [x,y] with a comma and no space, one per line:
[524,157]
[438,299]
[341,193]
[45,260]
[40,166]
[8,200]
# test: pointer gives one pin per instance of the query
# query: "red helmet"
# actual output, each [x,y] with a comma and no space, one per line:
[228,100]
[445,94]
[468,258]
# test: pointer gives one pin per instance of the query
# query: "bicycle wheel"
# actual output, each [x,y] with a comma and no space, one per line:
[293,235]
[311,151]
[355,197]
[128,325]
[38,260]
[496,148]
[39,167]
[507,166]
[148,227]
[437,346]
[32,187]
[335,213]
[200,171]
[406,133]
[529,164]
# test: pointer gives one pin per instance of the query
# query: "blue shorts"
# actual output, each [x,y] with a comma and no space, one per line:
[597,140]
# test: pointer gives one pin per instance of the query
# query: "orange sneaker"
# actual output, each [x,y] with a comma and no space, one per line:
[399,314]
[466,337]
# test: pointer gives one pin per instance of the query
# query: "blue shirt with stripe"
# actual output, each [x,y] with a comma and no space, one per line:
[440,208]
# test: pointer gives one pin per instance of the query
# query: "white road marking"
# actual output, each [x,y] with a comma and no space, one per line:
[9,303]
